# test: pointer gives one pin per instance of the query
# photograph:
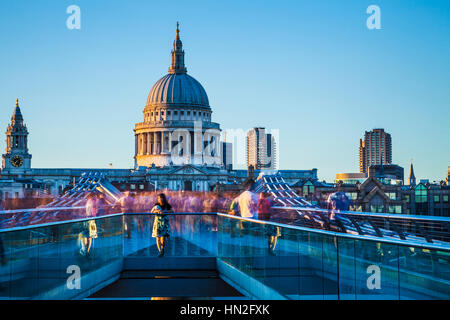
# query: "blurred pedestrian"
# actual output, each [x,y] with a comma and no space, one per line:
[247,203]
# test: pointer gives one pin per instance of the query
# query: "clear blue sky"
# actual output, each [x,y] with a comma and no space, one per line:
[311,69]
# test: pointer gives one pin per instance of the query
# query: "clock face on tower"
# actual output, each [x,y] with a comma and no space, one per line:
[17,161]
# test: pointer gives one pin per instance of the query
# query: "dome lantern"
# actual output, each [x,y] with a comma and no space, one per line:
[177,55]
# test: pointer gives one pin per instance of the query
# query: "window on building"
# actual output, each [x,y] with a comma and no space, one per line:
[392,195]
[421,194]
[395,209]
[141,187]
[445,198]
[377,208]
[436,198]
[308,188]
[407,197]
[352,195]
[132,186]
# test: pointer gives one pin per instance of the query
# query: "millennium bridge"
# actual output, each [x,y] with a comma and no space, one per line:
[305,252]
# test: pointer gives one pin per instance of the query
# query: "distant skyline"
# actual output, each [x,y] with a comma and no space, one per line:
[310,69]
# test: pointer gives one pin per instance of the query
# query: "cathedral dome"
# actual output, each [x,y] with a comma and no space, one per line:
[178,89]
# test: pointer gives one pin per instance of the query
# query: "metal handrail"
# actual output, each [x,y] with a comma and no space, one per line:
[43,225]
[175,213]
[438,246]
[41,209]
[373,214]
[423,245]
[428,228]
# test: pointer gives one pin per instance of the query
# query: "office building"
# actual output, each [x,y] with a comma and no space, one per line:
[375,149]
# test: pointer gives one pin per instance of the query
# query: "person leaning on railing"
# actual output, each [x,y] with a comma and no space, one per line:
[161,226]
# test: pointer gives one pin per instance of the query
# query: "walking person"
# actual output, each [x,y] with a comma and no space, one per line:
[234,207]
[272,232]
[263,206]
[91,204]
[247,201]
[161,226]
[89,228]
[126,207]
[101,204]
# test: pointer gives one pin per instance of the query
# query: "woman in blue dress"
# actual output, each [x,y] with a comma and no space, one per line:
[161,226]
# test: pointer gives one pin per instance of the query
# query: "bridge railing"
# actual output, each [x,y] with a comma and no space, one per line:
[43,261]
[304,263]
[296,262]
[428,229]
[60,260]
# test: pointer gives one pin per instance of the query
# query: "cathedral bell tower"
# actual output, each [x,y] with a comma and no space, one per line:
[16,158]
